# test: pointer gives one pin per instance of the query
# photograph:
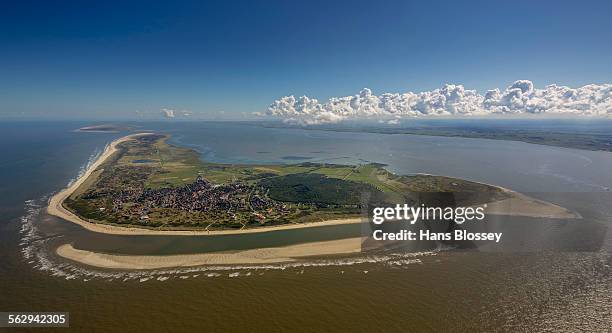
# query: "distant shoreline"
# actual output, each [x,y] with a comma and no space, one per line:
[581,141]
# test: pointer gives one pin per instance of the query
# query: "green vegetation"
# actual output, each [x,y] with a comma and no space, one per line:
[318,189]
[153,184]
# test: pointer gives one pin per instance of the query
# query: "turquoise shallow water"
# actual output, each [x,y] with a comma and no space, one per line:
[459,291]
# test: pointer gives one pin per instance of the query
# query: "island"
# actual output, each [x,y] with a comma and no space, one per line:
[142,185]
[105,128]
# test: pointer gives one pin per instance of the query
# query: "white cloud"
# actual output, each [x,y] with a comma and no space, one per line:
[168,113]
[173,113]
[451,100]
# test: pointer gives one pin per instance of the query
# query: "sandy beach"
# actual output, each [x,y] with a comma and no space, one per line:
[255,256]
[135,231]
[523,205]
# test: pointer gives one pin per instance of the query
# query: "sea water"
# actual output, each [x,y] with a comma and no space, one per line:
[459,291]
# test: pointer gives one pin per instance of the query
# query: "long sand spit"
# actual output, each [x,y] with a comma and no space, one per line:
[254,256]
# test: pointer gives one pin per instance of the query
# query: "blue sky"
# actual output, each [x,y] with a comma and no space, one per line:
[106,60]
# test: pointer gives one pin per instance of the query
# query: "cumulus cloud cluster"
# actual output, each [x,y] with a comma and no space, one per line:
[172,113]
[451,100]
[168,113]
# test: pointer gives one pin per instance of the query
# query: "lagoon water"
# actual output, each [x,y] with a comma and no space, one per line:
[460,291]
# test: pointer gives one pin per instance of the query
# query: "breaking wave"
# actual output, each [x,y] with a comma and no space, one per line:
[90,161]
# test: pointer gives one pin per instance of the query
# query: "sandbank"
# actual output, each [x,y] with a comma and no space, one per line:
[271,255]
